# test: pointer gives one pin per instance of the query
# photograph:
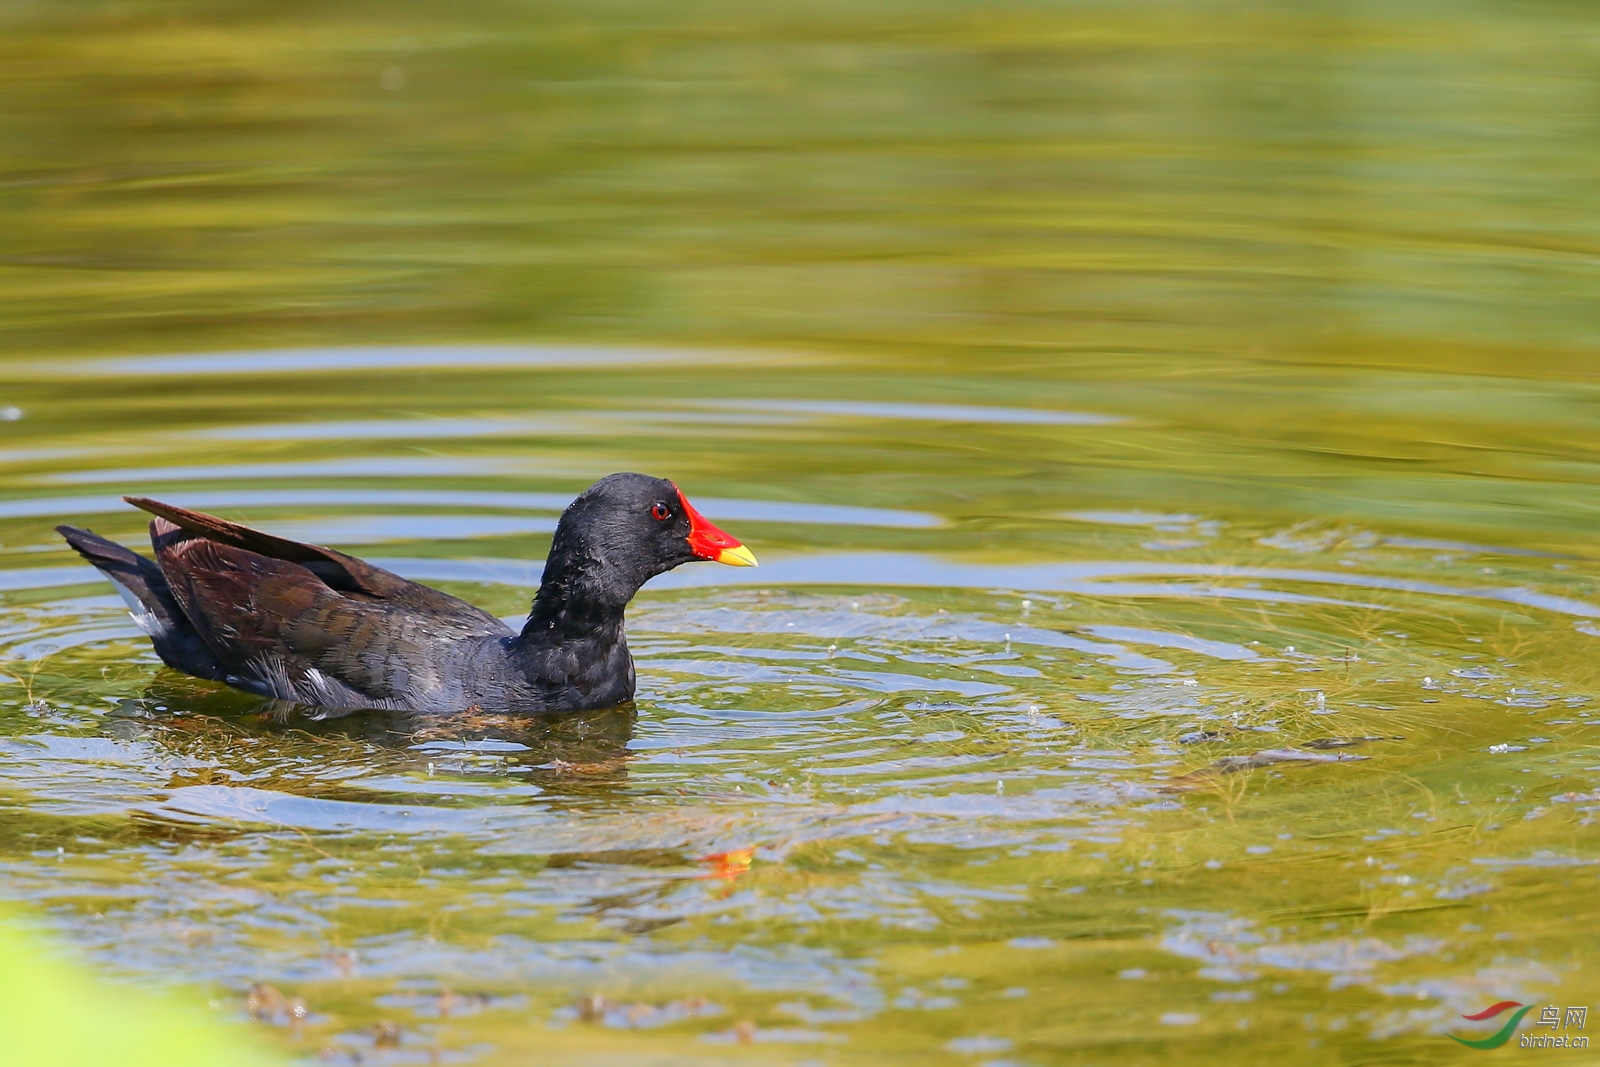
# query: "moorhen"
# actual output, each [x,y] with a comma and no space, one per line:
[306,624]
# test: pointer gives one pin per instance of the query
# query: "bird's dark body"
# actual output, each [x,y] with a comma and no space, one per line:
[301,623]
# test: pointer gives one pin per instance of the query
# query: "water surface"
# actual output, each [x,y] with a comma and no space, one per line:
[1169,432]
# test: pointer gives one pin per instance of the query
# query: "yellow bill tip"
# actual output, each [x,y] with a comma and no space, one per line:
[738,556]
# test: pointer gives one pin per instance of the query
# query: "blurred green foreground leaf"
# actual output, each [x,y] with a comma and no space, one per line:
[54,1013]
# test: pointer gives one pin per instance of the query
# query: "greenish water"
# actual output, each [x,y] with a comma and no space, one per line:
[1171,434]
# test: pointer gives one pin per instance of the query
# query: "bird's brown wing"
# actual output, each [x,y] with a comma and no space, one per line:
[309,624]
[355,578]
[268,621]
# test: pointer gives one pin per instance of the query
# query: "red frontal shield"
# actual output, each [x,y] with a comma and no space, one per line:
[708,542]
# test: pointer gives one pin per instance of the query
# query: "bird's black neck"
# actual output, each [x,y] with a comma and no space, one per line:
[577,601]
[572,650]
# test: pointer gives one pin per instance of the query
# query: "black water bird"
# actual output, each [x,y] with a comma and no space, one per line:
[311,625]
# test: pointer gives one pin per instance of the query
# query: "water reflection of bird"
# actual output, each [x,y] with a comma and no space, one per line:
[584,753]
[314,626]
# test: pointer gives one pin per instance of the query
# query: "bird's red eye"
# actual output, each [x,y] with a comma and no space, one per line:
[660,512]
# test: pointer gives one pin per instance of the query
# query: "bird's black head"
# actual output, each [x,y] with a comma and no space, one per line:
[624,530]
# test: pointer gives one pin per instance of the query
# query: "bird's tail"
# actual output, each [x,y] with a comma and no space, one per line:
[150,601]
[139,580]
